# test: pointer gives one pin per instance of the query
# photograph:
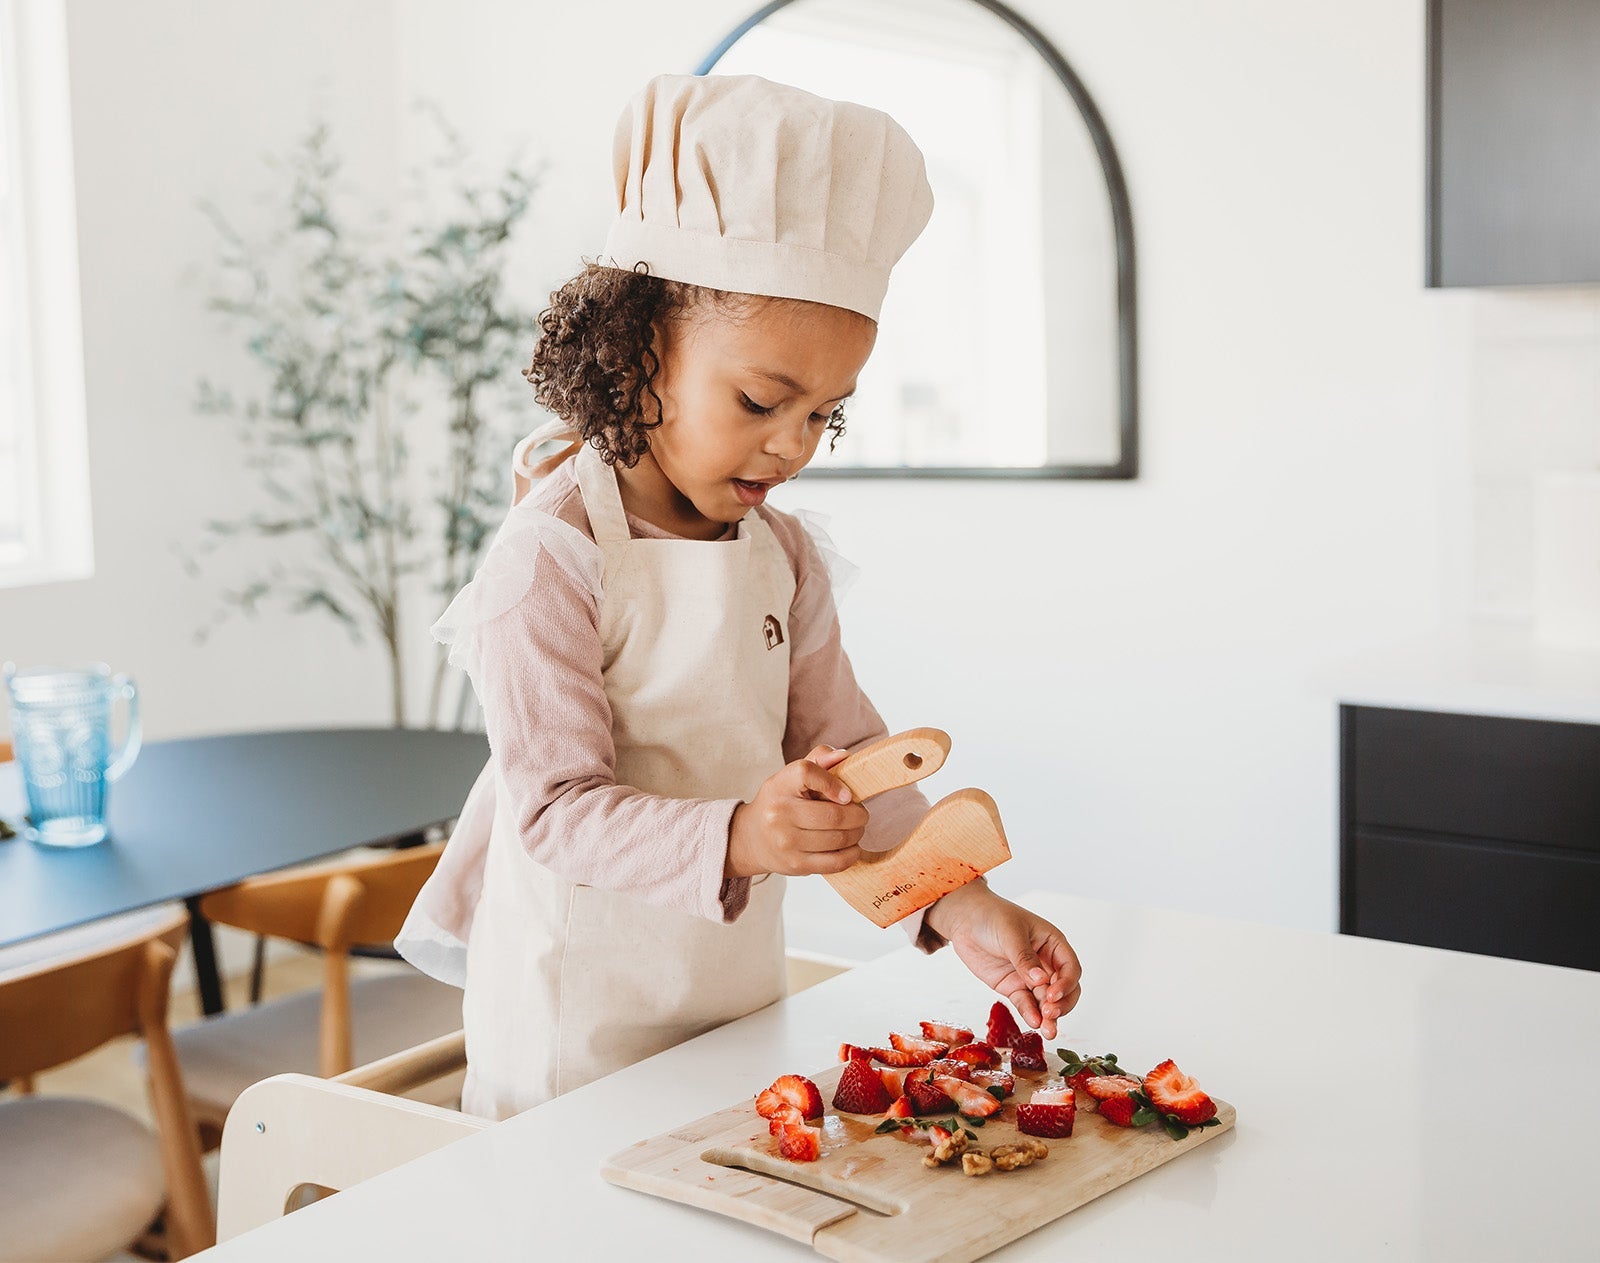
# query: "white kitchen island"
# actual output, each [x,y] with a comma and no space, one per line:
[1394,1102]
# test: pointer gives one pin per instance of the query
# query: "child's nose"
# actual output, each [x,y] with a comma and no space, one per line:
[787,442]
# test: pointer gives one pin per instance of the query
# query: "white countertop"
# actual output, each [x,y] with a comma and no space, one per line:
[1488,670]
[1393,1102]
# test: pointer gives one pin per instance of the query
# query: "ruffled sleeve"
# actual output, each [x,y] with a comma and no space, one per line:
[507,573]
[824,577]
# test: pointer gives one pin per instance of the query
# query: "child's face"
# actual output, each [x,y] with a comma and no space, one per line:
[730,432]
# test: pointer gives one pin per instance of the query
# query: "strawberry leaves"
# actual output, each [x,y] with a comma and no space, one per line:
[1175,1126]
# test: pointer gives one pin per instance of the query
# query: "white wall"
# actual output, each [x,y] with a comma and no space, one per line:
[1133,670]
[174,100]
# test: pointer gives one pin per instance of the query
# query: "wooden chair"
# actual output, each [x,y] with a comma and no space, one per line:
[83,1178]
[355,899]
[293,1135]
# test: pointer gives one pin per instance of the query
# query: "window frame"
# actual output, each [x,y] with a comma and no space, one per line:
[49,416]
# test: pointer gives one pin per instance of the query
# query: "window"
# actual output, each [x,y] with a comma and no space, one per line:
[44,477]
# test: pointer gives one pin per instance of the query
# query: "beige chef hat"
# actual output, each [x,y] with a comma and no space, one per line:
[739,183]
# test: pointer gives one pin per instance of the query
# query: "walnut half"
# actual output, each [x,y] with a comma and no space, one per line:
[977,1163]
[945,1150]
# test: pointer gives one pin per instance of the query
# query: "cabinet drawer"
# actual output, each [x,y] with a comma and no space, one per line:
[1522,780]
[1478,897]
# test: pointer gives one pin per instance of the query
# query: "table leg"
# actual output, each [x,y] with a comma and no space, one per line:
[205,960]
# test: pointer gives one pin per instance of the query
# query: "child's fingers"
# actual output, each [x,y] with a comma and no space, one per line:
[1027,1008]
[831,861]
[827,756]
[820,817]
[821,783]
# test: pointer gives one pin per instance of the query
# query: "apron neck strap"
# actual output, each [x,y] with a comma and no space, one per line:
[601,498]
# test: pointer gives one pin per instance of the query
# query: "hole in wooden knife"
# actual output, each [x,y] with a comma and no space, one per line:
[913,761]
[791,1173]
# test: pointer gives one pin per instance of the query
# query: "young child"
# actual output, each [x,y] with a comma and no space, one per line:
[656,651]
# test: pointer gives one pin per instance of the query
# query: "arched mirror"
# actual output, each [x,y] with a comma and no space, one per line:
[1006,345]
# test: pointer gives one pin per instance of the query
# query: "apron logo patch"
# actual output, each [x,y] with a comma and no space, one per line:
[772,629]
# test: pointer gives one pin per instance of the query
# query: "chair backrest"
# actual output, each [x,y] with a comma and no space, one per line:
[361,899]
[58,1008]
[292,1133]
[55,1010]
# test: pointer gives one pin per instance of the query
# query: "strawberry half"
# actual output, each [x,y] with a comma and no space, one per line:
[800,1144]
[946,1033]
[1079,1070]
[955,1069]
[1110,1087]
[980,1056]
[1027,1052]
[899,1056]
[911,1044]
[860,1090]
[970,1099]
[786,1116]
[894,1081]
[900,1109]
[1119,1110]
[1173,1092]
[989,1080]
[924,1096]
[790,1089]
[1003,1027]
[1049,1113]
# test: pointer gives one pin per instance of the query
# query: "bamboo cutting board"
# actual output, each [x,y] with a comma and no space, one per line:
[869,1199]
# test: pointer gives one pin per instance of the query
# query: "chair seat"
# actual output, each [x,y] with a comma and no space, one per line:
[80,1179]
[389,1012]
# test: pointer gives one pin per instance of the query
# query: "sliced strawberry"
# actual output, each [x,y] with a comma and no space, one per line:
[924,1096]
[946,1033]
[1173,1092]
[989,1079]
[849,1052]
[800,1144]
[911,1044]
[1027,1052]
[790,1089]
[1119,1110]
[898,1057]
[1003,1027]
[894,1081]
[860,1091]
[938,1135]
[900,1109]
[1110,1087]
[980,1056]
[1048,1113]
[970,1099]
[955,1069]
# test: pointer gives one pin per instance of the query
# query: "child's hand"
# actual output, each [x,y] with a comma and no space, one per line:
[1020,955]
[801,821]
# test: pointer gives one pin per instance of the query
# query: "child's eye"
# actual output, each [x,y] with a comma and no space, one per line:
[752,406]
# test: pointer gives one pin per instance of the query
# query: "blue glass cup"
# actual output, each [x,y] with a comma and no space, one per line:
[61,728]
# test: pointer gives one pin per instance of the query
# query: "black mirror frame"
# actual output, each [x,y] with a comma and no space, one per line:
[1126,465]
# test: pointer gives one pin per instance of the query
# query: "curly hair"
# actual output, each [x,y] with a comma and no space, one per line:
[594,359]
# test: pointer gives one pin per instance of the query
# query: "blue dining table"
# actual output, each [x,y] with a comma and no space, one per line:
[201,813]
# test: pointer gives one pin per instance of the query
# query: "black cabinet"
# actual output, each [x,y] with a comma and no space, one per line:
[1513,185]
[1471,832]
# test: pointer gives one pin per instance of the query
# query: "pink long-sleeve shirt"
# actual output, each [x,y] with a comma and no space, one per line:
[540,682]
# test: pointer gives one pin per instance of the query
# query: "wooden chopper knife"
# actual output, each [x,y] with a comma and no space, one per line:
[960,838]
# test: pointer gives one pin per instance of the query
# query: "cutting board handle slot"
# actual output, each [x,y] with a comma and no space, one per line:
[791,1173]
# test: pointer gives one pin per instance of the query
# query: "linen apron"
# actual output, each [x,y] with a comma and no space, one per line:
[566,983]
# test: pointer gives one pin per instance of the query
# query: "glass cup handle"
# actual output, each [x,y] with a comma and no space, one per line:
[124,687]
